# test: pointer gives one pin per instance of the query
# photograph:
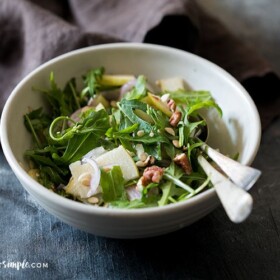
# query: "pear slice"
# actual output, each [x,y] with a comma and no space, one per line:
[116,80]
[99,99]
[99,107]
[119,156]
[157,103]
[79,184]
[173,84]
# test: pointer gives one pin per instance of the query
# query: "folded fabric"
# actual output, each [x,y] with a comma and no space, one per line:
[35,31]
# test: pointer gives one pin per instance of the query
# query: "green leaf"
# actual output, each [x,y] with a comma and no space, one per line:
[173,174]
[127,130]
[139,90]
[169,150]
[204,104]
[49,177]
[193,146]
[38,119]
[196,191]
[88,135]
[77,147]
[146,139]
[50,174]
[186,129]
[123,122]
[112,184]
[91,122]
[37,123]
[62,102]
[166,190]
[174,170]
[57,99]
[160,119]
[72,96]
[184,96]
[122,135]
[195,100]
[92,81]
[95,122]
[128,107]
[153,149]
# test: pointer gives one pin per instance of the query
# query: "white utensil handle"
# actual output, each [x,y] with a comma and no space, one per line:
[237,202]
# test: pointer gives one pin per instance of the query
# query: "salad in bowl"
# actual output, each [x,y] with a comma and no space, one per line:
[120,141]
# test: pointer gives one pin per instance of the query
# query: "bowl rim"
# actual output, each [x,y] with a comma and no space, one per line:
[42,191]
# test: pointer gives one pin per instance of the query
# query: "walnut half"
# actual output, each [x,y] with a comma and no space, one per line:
[183,161]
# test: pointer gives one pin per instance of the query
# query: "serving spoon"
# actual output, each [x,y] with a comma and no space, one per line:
[236,201]
[231,190]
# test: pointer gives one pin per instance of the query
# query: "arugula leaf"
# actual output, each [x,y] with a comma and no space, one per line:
[166,190]
[72,96]
[139,90]
[160,119]
[173,174]
[151,200]
[90,131]
[187,129]
[96,122]
[136,203]
[121,135]
[154,149]
[38,119]
[62,102]
[57,99]
[91,122]
[123,122]
[50,178]
[195,100]
[112,184]
[148,188]
[146,139]
[192,146]
[196,191]
[174,170]
[77,146]
[168,150]
[204,104]
[186,96]
[127,107]
[50,174]
[126,130]
[37,123]
[92,81]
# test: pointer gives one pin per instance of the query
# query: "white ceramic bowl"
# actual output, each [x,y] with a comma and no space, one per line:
[238,131]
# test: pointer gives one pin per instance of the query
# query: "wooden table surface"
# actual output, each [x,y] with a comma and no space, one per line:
[212,248]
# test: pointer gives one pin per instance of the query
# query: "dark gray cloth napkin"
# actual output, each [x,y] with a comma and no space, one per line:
[34,31]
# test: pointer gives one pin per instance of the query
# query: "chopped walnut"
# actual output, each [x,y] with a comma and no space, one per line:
[152,174]
[171,105]
[183,161]
[175,118]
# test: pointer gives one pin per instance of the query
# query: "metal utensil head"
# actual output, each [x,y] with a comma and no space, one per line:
[242,175]
[237,202]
